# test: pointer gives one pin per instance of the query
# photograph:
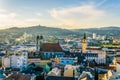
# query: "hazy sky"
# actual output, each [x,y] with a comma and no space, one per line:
[60,13]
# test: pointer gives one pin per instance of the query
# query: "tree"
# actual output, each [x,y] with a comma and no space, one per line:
[37,68]
[41,77]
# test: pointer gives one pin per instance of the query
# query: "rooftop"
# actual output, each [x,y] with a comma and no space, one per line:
[51,47]
[59,78]
[19,77]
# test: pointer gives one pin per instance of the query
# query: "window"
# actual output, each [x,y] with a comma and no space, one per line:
[45,54]
[67,61]
[62,61]
[52,53]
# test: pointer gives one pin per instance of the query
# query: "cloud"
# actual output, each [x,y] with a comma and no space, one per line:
[4,14]
[32,20]
[2,10]
[7,18]
[12,15]
[80,15]
[39,14]
[10,19]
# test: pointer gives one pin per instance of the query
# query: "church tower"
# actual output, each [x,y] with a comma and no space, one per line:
[84,44]
[38,43]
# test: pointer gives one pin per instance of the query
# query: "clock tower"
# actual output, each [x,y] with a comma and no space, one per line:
[84,44]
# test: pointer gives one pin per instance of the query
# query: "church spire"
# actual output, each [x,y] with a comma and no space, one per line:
[84,36]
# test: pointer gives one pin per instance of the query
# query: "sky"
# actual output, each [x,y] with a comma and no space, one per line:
[67,14]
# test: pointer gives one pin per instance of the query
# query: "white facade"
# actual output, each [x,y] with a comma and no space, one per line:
[83,75]
[117,53]
[55,72]
[101,58]
[105,41]
[79,44]
[99,37]
[93,51]
[16,60]
[118,68]
[5,61]
[94,36]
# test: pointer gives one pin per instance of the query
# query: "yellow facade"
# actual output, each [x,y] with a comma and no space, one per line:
[83,78]
[102,77]
[3,62]
[109,74]
[57,60]
[76,73]
[105,76]
[68,73]
[84,45]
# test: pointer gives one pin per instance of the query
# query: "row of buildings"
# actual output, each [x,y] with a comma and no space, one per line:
[61,62]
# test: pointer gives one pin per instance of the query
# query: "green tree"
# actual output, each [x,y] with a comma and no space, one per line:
[41,77]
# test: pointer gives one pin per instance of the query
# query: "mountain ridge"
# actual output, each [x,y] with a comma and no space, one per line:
[44,30]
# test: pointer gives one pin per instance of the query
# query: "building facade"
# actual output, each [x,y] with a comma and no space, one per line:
[16,61]
[51,50]
[84,44]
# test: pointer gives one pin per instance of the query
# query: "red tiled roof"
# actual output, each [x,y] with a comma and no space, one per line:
[19,77]
[51,47]
[93,48]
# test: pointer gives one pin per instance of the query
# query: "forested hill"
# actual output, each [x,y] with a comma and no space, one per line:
[113,31]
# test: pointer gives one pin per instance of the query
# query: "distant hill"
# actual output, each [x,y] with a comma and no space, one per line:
[43,30]
[39,30]
[109,31]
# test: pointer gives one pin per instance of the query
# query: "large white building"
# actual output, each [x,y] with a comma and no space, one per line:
[97,54]
[16,61]
[94,36]
[100,58]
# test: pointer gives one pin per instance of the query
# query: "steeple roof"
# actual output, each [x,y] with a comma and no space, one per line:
[84,36]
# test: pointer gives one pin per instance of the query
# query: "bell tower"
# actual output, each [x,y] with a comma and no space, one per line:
[84,44]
